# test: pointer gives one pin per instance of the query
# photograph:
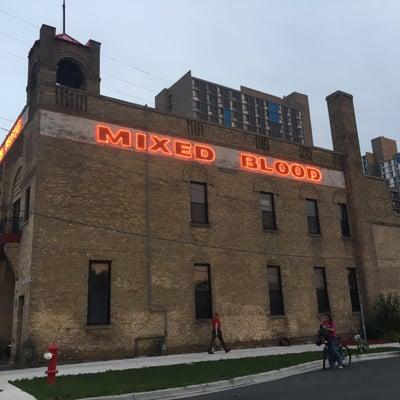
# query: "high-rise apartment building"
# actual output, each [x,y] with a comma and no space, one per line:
[286,118]
[383,149]
[384,161]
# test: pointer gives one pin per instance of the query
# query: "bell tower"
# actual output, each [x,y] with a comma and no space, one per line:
[61,61]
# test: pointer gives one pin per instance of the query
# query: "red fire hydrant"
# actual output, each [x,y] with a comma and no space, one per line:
[51,357]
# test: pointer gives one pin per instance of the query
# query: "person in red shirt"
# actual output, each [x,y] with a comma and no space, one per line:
[217,333]
[333,347]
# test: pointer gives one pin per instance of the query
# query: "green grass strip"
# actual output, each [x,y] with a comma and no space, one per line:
[156,378]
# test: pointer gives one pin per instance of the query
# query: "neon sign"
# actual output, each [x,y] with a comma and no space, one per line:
[177,148]
[253,162]
[11,137]
[156,144]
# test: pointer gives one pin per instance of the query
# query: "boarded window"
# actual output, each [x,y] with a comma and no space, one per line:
[99,292]
[344,220]
[202,291]
[321,289]
[353,287]
[275,291]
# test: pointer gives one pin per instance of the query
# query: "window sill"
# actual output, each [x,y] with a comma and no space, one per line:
[314,235]
[278,317]
[197,225]
[202,321]
[347,237]
[270,230]
[93,327]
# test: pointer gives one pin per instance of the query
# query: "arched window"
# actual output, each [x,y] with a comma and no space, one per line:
[70,74]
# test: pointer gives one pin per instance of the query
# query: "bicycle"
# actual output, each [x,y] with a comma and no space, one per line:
[344,351]
[362,346]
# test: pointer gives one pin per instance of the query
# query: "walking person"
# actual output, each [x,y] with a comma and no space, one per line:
[217,333]
[333,346]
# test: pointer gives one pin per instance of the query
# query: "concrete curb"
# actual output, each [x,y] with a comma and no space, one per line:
[213,387]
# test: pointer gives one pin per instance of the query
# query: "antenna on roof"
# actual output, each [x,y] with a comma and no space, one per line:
[63,16]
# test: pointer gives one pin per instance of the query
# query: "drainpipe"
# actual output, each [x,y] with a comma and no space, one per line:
[153,307]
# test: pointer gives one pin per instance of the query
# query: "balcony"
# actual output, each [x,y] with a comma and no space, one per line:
[10,230]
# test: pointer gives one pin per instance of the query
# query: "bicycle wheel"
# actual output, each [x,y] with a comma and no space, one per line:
[346,355]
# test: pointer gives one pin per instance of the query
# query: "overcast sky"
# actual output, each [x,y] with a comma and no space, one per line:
[309,46]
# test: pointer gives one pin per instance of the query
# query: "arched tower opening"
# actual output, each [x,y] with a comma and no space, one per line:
[70,74]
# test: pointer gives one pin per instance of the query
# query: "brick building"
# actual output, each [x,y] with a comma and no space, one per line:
[123,226]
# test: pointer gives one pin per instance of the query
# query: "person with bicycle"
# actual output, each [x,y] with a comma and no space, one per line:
[329,327]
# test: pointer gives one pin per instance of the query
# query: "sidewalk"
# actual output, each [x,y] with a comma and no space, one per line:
[9,392]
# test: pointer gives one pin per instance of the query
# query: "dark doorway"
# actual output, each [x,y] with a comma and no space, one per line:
[7,287]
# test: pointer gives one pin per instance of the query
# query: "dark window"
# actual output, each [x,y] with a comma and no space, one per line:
[195,83]
[224,92]
[268,211]
[312,216]
[203,108]
[99,292]
[202,291]
[322,292]
[198,202]
[16,216]
[27,203]
[344,220]
[202,86]
[275,291]
[396,202]
[69,74]
[353,286]
[170,102]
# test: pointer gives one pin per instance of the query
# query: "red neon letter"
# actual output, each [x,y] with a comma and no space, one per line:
[298,171]
[204,153]
[281,168]
[248,161]
[264,167]
[140,141]
[314,174]
[105,135]
[183,149]
[160,144]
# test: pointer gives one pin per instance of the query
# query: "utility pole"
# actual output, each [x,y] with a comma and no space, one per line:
[63,16]
[360,297]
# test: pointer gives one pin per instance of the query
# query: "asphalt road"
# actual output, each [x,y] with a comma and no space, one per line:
[367,380]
